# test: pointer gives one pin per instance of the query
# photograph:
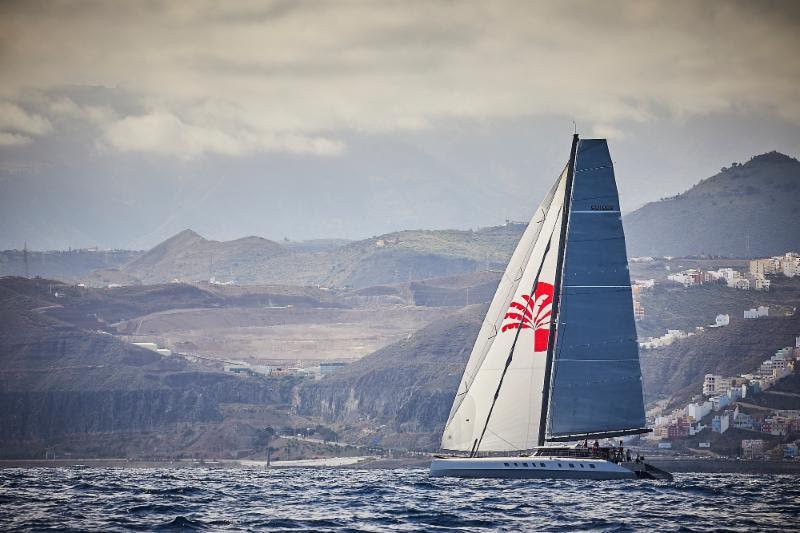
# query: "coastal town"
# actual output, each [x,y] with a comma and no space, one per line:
[728,402]
[724,404]
[757,277]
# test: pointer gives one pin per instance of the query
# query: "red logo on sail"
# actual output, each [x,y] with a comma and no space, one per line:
[532,313]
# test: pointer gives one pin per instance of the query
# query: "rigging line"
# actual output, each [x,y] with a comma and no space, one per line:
[514,344]
[513,446]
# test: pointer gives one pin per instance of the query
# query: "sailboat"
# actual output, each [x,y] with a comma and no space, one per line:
[556,360]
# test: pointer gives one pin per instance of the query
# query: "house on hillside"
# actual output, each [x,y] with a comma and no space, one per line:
[721,423]
[753,448]
[757,312]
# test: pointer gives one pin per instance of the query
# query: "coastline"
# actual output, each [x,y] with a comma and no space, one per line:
[676,465]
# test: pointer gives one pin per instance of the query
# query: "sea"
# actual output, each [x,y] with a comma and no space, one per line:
[317,499]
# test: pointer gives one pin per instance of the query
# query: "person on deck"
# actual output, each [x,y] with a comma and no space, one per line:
[595,447]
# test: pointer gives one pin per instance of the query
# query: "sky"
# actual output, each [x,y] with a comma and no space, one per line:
[122,123]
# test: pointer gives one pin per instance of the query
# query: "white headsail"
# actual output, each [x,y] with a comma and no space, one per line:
[518,319]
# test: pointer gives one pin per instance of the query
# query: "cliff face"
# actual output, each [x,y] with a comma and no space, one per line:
[57,380]
[408,385]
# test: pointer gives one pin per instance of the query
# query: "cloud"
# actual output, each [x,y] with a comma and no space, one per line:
[13,139]
[236,77]
[165,134]
[607,131]
[63,107]
[14,119]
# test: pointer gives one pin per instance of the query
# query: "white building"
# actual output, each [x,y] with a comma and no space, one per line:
[698,410]
[710,384]
[728,274]
[148,345]
[758,312]
[740,283]
[237,367]
[761,284]
[761,267]
[790,265]
[682,278]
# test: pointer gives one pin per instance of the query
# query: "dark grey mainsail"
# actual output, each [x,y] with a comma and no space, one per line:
[596,387]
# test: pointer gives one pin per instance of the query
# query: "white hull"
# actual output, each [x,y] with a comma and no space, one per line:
[529,467]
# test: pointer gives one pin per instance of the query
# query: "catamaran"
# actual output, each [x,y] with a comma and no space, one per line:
[556,359]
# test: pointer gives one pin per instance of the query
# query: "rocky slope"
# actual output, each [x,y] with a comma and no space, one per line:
[407,386]
[747,210]
[59,380]
[677,370]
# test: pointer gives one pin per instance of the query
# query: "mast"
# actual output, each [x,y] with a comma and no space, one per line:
[557,292]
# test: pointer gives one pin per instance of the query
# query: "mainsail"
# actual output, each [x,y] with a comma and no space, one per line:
[517,376]
[596,379]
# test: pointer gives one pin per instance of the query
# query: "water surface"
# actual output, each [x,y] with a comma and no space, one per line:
[385,500]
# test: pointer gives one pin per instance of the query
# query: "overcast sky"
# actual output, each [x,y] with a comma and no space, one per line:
[124,122]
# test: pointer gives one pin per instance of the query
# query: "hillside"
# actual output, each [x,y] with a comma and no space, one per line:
[188,256]
[66,386]
[677,370]
[747,210]
[671,306]
[387,259]
[404,390]
[64,264]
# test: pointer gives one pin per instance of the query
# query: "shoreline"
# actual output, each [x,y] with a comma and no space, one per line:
[674,465]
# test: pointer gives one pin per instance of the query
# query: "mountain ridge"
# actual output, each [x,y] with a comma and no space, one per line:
[745,210]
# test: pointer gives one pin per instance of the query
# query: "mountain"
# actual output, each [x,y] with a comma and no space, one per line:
[393,258]
[187,255]
[746,210]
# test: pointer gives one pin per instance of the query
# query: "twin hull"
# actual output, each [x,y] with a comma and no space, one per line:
[529,467]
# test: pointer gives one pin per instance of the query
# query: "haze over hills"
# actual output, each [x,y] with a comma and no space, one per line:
[747,210]
[393,258]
